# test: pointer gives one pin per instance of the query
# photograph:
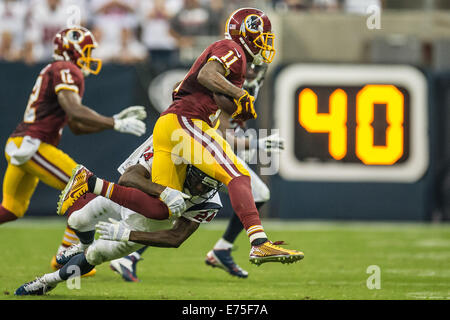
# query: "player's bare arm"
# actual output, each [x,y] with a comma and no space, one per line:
[81,118]
[172,238]
[138,177]
[212,76]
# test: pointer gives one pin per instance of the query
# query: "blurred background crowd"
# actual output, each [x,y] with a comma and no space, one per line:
[131,31]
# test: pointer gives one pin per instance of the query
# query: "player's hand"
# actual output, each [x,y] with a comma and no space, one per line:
[113,230]
[130,125]
[245,108]
[273,143]
[136,112]
[175,201]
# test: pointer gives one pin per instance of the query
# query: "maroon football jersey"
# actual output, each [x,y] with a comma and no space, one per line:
[44,118]
[193,100]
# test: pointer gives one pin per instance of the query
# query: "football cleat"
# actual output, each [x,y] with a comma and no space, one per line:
[222,259]
[55,265]
[126,267]
[75,188]
[272,252]
[37,287]
[64,256]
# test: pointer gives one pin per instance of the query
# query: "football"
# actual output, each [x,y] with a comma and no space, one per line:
[225,103]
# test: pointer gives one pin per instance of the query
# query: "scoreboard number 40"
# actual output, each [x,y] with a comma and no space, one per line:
[352,122]
[335,122]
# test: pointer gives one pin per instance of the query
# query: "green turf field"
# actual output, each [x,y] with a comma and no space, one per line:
[413,259]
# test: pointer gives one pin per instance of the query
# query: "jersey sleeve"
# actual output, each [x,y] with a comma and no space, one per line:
[230,58]
[67,77]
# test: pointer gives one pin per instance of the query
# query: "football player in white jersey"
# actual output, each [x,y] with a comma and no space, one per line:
[128,229]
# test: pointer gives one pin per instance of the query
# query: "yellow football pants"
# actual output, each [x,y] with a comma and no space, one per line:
[178,141]
[48,164]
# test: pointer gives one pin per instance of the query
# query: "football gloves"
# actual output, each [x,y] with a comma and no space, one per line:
[130,125]
[129,120]
[137,112]
[175,201]
[245,108]
[273,143]
[113,230]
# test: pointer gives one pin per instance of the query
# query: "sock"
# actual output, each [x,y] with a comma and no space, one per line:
[78,261]
[131,198]
[6,215]
[100,187]
[80,203]
[233,229]
[137,254]
[69,239]
[52,278]
[223,244]
[86,237]
[240,192]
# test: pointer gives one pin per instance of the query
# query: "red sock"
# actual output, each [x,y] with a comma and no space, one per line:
[136,200]
[6,215]
[80,203]
[240,192]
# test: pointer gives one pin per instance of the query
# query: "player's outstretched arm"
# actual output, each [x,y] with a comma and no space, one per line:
[172,238]
[83,120]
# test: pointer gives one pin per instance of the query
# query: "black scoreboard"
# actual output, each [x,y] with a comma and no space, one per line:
[352,122]
[357,142]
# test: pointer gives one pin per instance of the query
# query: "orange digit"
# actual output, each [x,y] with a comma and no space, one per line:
[333,123]
[365,100]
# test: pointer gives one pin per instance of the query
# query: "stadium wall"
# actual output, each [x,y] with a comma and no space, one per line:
[120,86]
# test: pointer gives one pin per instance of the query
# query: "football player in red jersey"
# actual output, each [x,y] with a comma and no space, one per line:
[55,100]
[184,132]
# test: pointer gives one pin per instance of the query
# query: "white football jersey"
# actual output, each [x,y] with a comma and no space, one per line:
[199,209]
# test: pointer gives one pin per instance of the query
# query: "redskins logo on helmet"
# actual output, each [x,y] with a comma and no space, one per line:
[251,28]
[76,44]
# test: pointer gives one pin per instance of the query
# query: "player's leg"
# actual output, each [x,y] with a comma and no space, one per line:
[126,266]
[84,181]
[54,167]
[203,147]
[78,265]
[261,194]
[220,256]
[83,223]
[18,188]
